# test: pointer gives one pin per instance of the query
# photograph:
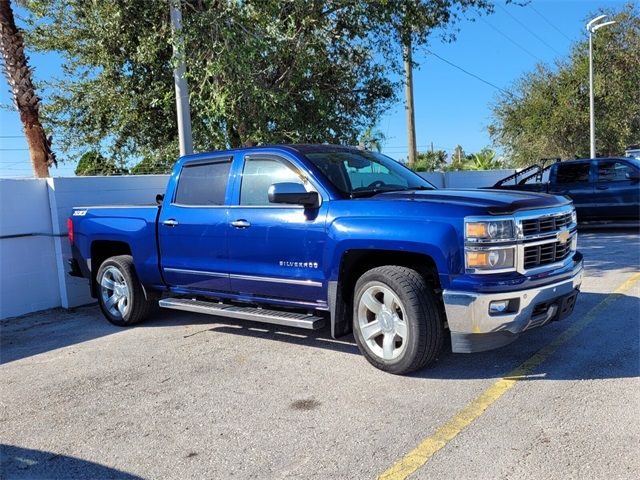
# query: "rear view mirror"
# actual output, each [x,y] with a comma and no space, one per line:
[293,193]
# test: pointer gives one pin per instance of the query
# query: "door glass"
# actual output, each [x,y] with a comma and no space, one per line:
[573,173]
[259,174]
[613,171]
[203,184]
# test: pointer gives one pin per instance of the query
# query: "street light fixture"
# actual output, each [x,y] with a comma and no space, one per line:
[592,26]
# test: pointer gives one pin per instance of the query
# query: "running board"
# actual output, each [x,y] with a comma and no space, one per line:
[276,317]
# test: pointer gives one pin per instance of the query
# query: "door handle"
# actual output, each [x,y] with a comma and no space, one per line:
[602,187]
[170,223]
[242,223]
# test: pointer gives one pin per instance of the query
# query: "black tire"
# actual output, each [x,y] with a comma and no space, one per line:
[412,303]
[135,306]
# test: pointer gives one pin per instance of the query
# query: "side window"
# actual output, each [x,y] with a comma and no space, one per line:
[573,173]
[259,174]
[613,171]
[203,183]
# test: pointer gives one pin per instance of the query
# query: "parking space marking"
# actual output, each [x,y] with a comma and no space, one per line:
[420,455]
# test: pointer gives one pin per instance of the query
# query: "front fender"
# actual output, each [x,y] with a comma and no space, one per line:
[437,239]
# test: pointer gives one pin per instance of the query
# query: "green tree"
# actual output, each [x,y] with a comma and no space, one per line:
[267,71]
[485,159]
[546,112]
[93,163]
[431,161]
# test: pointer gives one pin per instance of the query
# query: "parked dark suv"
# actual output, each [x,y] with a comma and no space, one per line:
[601,188]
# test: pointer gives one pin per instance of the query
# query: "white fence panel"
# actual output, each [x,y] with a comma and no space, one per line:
[28,276]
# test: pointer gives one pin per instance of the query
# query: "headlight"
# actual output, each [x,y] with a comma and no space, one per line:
[494,259]
[490,230]
[574,217]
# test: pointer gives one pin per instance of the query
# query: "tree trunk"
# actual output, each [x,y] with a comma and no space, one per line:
[18,74]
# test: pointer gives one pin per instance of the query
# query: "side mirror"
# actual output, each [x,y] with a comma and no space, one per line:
[159,198]
[293,193]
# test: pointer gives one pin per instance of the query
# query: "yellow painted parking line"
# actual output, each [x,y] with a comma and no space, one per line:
[420,455]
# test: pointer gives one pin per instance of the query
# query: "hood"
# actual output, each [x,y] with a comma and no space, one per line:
[496,202]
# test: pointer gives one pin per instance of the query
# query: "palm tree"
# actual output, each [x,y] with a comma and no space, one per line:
[371,140]
[485,159]
[18,74]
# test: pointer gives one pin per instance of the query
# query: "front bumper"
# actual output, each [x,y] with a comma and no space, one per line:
[474,329]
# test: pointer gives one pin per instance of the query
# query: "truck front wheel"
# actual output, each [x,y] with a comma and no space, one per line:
[396,319]
[120,294]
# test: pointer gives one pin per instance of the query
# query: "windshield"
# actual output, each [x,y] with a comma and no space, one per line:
[363,173]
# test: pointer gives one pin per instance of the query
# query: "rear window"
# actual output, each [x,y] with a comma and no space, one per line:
[573,173]
[203,183]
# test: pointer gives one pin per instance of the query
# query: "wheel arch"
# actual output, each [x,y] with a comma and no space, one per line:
[354,263]
[100,251]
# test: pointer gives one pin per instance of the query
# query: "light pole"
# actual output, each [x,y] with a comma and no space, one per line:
[592,26]
[181,87]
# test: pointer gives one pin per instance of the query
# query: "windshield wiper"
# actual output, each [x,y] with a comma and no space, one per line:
[375,191]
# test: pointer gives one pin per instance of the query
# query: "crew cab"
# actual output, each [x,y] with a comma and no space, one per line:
[305,235]
[602,189]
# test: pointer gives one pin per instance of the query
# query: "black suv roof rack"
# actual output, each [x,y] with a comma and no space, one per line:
[537,169]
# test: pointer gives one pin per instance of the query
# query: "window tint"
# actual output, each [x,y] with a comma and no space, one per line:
[259,174]
[613,171]
[573,173]
[203,184]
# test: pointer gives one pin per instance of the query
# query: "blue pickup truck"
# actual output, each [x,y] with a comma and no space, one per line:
[304,235]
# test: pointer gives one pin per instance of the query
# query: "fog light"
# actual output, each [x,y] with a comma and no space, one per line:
[498,306]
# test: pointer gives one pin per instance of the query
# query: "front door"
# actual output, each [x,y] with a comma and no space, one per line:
[276,249]
[574,179]
[192,228]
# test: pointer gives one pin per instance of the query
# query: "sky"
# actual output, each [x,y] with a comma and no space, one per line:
[451,107]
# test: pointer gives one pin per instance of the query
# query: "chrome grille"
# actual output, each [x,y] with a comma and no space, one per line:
[533,226]
[546,254]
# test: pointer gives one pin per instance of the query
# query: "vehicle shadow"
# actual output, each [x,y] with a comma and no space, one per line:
[608,347]
[25,463]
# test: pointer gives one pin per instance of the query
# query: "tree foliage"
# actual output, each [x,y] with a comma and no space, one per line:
[546,112]
[431,161]
[485,159]
[266,71]
[93,163]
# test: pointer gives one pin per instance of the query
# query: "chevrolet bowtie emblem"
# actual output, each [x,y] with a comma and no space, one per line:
[563,236]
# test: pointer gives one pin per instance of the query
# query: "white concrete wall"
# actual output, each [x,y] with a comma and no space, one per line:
[34,248]
[28,276]
[465,178]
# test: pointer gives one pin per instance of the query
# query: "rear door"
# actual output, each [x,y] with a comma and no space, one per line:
[617,194]
[575,180]
[193,224]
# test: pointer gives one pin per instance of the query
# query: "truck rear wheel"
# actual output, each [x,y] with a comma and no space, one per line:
[396,320]
[120,294]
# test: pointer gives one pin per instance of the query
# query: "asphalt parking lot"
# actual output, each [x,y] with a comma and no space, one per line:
[193,396]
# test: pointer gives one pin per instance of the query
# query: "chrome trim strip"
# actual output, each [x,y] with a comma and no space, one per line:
[196,272]
[305,283]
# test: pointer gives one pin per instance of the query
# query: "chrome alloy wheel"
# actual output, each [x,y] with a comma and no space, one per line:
[382,321]
[114,292]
